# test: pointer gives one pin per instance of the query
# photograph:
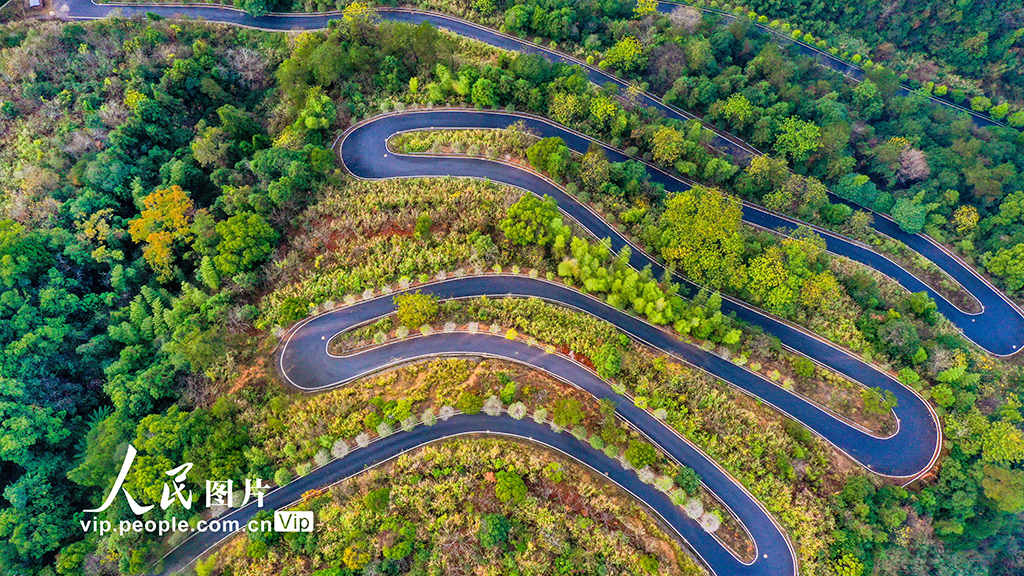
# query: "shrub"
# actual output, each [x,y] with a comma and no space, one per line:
[908,377]
[322,457]
[412,310]
[445,413]
[282,476]
[596,442]
[645,474]
[567,412]
[803,367]
[469,403]
[980,104]
[517,410]
[340,448]
[678,497]
[492,406]
[304,468]
[710,522]
[509,487]
[579,432]
[641,454]
[663,483]
[540,415]
[553,472]
[409,422]
[428,418]
[693,508]
[363,439]
[385,429]
[688,480]
[494,530]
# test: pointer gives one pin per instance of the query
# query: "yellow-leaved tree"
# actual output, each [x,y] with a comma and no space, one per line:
[700,232]
[163,223]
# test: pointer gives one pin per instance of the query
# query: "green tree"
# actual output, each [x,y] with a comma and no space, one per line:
[549,155]
[483,93]
[415,310]
[1007,263]
[423,224]
[494,530]
[867,98]
[688,480]
[798,138]
[378,500]
[848,565]
[910,215]
[738,109]
[318,112]
[608,360]
[1002,443]
[701,232]
[509,487]
[469,403]
[594,169]
[532,220]
[625,54]
[667,144]
[26,426]
[640,454]
[1005,487]
[259,8]
[567,412]
[246,239]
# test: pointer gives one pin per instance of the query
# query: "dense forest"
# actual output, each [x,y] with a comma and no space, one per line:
[169,187]
[963,45]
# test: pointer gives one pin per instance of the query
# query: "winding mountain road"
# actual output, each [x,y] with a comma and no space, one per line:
[303,359]
[998,328]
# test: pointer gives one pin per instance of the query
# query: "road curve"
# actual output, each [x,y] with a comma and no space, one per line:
[304,361]
[998,329]
[774,558]
[363,150]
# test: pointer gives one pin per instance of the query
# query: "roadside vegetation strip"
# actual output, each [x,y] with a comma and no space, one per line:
[435,482]
[510,145]
[844,398]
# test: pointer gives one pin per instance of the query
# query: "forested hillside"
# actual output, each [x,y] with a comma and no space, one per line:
[932,40]
[171,203]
